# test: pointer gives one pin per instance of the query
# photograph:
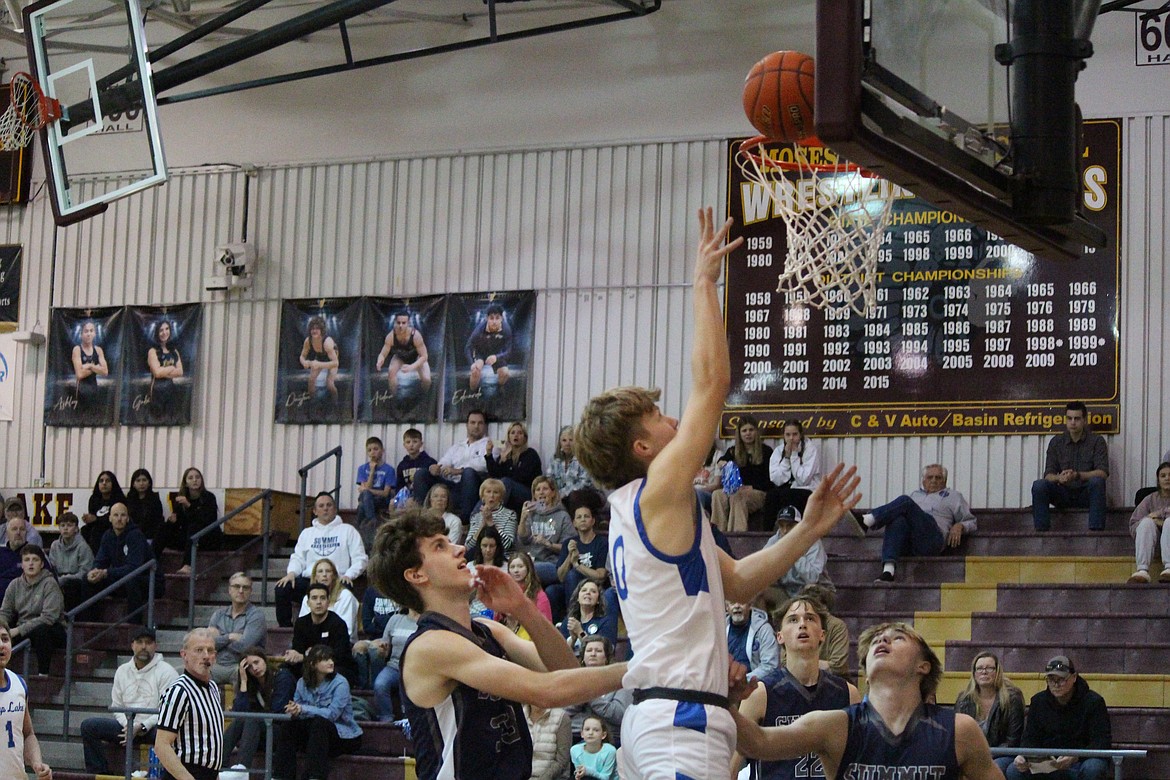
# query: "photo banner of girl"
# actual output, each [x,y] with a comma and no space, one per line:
[402,354]
[85,350]
[319,344]
[158,378]
[9,286]
[489,354]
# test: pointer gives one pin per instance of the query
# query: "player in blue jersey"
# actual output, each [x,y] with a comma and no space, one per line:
[18,743]
[670,578]
[893,733]
[464,680]
[798,687]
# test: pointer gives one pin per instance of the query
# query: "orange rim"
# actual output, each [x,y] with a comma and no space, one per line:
[812,142]
[38,112]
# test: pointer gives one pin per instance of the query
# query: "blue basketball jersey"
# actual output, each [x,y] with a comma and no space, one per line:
[469,735]
[925,750]
[13,701]
[788,699]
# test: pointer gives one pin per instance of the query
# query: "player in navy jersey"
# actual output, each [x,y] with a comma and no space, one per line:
[798,687]
[18,743]
[893,733]
[464,680]
[670,577]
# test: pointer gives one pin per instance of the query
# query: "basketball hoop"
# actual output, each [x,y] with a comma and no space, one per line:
[29,111]
[835,214]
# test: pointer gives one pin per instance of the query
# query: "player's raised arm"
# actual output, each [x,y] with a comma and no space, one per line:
[668,488]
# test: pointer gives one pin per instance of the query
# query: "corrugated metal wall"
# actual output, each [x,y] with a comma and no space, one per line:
[603,233]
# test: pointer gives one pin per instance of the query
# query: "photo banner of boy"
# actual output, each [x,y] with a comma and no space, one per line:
[10,255]
[489,354]
[158,378]
[85,356]
[402,356]
[320,339]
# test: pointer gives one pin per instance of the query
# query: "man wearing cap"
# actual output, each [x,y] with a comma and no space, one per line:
[138,683]
[751,640]
[926,522]
[14,507]
[1066,715]
[32,607]
[809,568]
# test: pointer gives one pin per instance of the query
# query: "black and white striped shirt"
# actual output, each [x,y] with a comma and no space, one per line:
[191,709]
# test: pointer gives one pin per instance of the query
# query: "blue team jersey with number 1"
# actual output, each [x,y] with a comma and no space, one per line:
[13,701]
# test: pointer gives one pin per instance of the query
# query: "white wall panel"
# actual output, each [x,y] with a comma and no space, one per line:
[603,233]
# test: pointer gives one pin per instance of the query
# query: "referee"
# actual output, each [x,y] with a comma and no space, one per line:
[189,741]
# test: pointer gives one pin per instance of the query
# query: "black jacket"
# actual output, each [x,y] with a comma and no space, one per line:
[1082,724]
[1004,727]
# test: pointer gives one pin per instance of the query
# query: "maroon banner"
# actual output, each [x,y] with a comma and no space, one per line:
[969,335]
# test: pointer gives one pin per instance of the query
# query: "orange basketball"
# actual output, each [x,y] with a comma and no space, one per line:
[778,95]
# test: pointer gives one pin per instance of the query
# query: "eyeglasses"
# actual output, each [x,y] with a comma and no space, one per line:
[240,586]
[979,669]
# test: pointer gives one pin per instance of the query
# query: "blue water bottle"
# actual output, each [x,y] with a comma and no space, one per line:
[154,769]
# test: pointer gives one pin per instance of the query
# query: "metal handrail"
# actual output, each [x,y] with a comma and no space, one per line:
[303,471]
[266,496]
[70,619]
[1117,756]
[268,717]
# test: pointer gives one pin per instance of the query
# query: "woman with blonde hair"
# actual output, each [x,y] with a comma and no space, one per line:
[515,464]
[730,512]
[995,703]
[493,512]
[341,600]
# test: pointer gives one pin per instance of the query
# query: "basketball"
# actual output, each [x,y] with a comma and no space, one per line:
[778,96]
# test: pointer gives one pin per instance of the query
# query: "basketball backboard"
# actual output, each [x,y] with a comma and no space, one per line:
[90,55]
[916,92]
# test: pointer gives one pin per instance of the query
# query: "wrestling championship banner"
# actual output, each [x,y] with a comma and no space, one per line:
[489,354]
[316,366]
[160,364]
[402,357]
[85,355]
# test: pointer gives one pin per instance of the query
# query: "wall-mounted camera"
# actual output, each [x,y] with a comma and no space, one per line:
[233,268]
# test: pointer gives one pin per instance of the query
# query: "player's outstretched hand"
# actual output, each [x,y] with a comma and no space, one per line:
[499,592]
[712,248]
[739,685]
[835,496]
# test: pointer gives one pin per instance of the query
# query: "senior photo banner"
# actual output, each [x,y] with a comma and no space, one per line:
[320,340]
[85,356]
[161,350]
[402,359]
[10,255]
[489,354]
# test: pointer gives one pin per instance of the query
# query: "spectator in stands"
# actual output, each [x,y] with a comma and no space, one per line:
[33,606]
[564,469]
[583,556]
[709,478]
[795,470]
[320,626]
[415,460]
[14,507]
[106,493]
[523,571]
[71,558]
[611,707]
[810,567]
[1067,714]
[926,522]
[439,499]
[139,682]
[1146,526]
[487,547]
[254,694]
[544,526]
[551,741]
[375,485]
[399,628]
[730,511]
[327,537]
[10,560]
[145,506]
[834,652]
[995,703]
[1141,493]
[515,464]
[461,468]
[123,549]
[493,513]
[594,757]
[235,628]
[368,653]
[196,509]
[750,639]
[1075,470]
[342,602]
[587,615]
[323,725]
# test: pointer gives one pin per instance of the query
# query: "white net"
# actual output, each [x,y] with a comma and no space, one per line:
[14,134]
[27,112]
[835,218]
